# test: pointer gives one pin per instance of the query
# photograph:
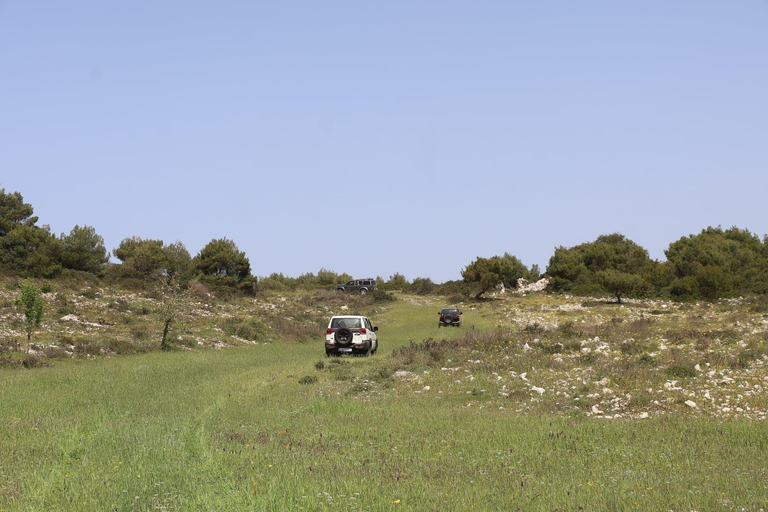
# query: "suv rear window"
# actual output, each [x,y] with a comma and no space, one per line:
[349,323]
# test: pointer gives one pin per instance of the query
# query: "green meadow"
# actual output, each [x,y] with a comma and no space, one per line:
[537,403]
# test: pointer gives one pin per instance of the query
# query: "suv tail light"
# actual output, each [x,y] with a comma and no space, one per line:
[329,331]
[362,330]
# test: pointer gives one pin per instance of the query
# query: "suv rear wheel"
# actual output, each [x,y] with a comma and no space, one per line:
[343,336]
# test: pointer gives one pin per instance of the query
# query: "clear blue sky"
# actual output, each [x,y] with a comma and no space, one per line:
[440,130]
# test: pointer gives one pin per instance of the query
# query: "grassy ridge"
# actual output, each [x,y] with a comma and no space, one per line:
[278,427]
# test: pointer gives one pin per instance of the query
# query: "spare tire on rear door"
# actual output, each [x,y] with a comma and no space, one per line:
[343,336]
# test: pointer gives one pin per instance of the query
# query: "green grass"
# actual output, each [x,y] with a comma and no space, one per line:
[277,426]
[236,430]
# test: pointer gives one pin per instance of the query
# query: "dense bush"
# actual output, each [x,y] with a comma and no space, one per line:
[421,286]
[83,249]
[28,249]
[325,278]
[14,212]
[31,250]
[486,273]
[397,282]
[223,267]
[381,296]
[222,258]
[717,263]
[611,264]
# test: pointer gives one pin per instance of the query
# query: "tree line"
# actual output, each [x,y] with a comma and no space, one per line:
[32,250]
[715,263]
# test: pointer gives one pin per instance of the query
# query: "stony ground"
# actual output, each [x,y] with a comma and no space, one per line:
[566,354]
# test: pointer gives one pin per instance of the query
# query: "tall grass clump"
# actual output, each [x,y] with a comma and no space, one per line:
[250,329]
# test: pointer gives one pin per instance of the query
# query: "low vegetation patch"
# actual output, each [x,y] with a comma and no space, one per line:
[106,322]
[610,363]
[536,403]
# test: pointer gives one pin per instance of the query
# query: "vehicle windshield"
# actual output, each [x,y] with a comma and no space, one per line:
[350,323]
[450,311]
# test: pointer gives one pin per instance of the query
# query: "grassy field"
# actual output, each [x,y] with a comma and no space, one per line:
[538,403]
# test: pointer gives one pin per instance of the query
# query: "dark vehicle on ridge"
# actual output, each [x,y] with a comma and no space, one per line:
[362,285]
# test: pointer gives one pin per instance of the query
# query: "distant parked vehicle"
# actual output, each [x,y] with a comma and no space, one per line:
[362,285]
[449,317]
[351,334]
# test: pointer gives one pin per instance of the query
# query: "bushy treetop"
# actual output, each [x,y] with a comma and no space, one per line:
[222,258]
[24,247]
[83,249]
[580,266]
[489,272]
[718,263]
[14,212]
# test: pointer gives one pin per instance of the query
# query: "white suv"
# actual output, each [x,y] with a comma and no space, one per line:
[351,334]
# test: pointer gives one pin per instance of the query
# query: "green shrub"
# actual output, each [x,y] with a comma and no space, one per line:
[275,282]
[83,249]
[684,288]
[380,296]
[417,355]
[247,328]
[308,379]
[397,282]
[680,371]
[745,357]
[422,286]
